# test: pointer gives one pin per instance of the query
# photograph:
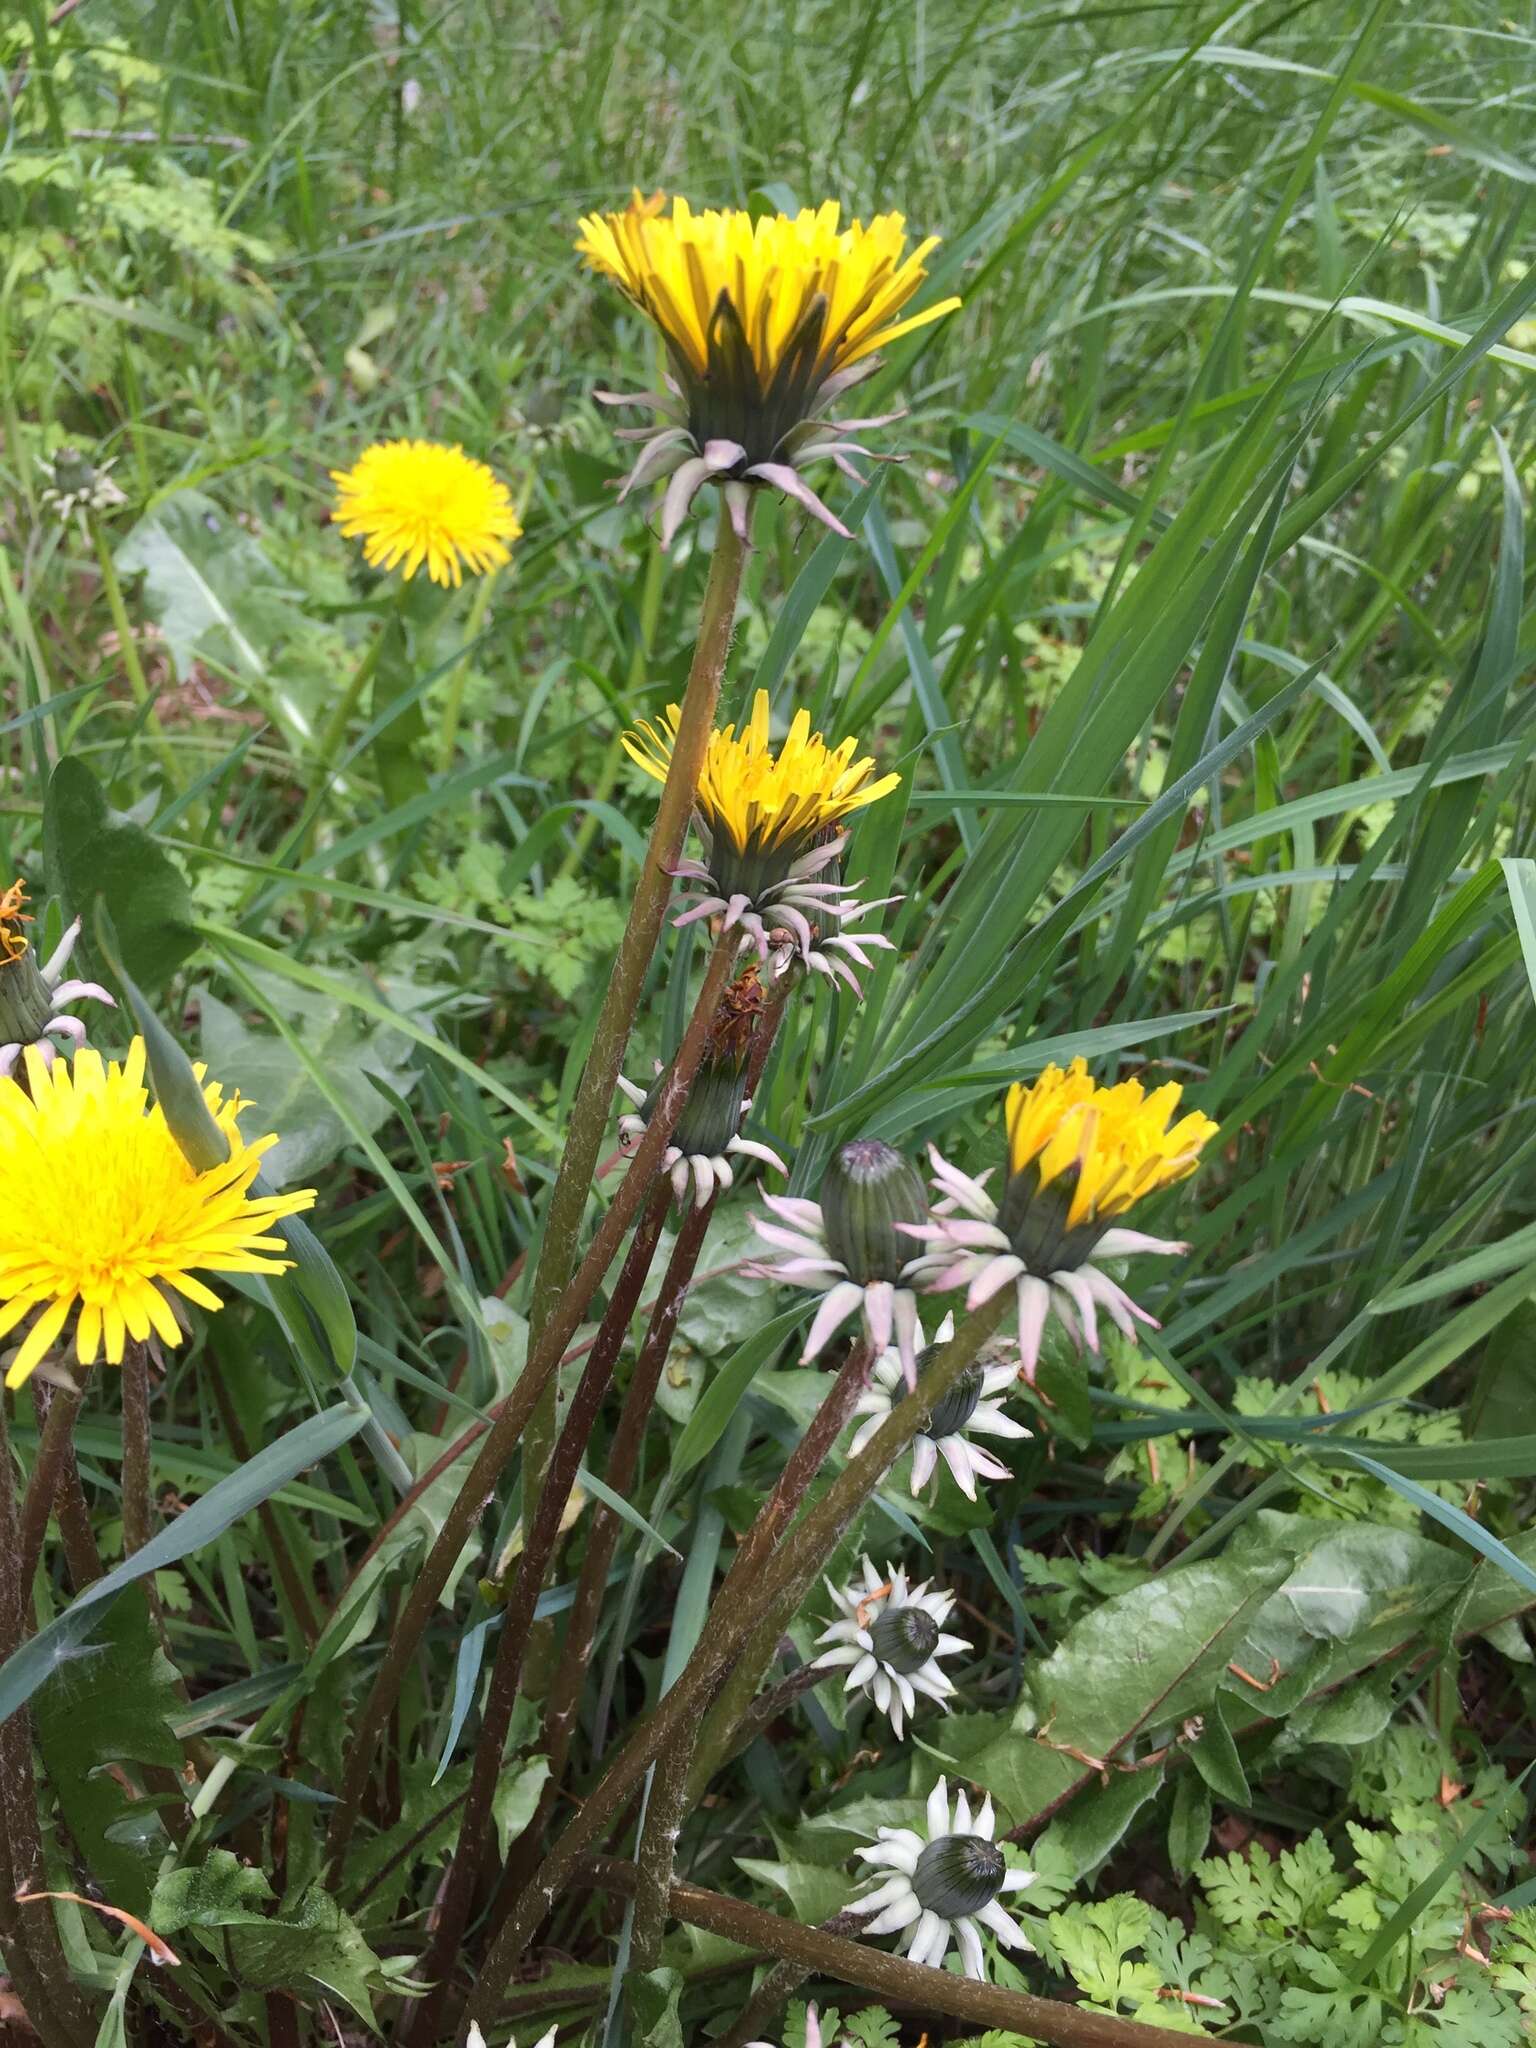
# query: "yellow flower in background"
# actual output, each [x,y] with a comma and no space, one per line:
[1079,1156]
[100,1209]
[761,800]
[766,323]
[772,822]
[1118,1143]
[418,502]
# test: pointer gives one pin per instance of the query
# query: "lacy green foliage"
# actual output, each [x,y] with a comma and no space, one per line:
[1345,1494]
[555,935]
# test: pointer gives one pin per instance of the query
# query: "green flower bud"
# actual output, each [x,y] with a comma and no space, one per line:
[25,1001]
[958,1875]
[904,1638]
[712,1114]
[865,1192]
[955,1410]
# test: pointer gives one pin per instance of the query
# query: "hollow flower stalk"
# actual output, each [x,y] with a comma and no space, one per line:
[101,1215]
[416,504]
[771,823]
[890,1635]
[970,1408]
[34,1001]
[766,324]
[947,1882]
[1080,1156]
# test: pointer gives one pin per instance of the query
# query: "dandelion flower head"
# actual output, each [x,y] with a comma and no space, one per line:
[415,503]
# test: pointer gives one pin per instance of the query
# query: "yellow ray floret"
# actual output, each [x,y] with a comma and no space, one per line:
[760,798]
[675,268]
[417,502]
[99,1207]
[1120,1140]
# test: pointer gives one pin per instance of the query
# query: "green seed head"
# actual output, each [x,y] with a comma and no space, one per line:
[904,1638]
[957,1875]
[955,1410]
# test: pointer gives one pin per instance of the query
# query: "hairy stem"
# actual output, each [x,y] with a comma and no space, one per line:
[34,1955]
[890,1977]
[502,1438]
[799,1555]
[506,1673]
[712,1735]
[779,1985]
[656,1855]
[623,1464]
[57,1408]
[589,1112]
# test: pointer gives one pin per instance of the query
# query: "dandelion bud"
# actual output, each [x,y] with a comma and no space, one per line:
[34,1000]
[866,1191]
[958,1874]
[76,484]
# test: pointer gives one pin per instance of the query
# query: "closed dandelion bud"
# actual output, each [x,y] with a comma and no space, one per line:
[34,1001]
[954,1411]
[958,1874]
[712,1114]
[904,1638]
[25,998]
[866,1191]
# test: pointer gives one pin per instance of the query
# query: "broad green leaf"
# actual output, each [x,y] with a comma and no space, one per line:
[208,586]
[221,1891]
[100,1714]
[98,857]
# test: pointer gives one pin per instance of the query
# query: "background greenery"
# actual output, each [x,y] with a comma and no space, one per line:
[1200,615]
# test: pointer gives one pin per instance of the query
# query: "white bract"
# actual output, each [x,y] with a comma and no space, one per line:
[947,1882]
[890,1635]
[968,1407]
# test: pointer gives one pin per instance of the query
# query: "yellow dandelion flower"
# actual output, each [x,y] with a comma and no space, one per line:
[415,502]
[1118,1143]
[1079,1156]
[100,1209]
[771,822]
[765,323]
[760,800]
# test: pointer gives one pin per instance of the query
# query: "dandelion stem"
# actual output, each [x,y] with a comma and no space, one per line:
[594,1096]
[506,1432]
[890,1977]
[506,1673]
[623,1463]
[709,1738]
[56,1412]
[34,1955]
[800,1553]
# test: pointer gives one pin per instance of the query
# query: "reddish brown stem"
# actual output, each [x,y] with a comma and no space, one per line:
[890,1977]
[505,1433]
[507,1671]
[56,1408]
